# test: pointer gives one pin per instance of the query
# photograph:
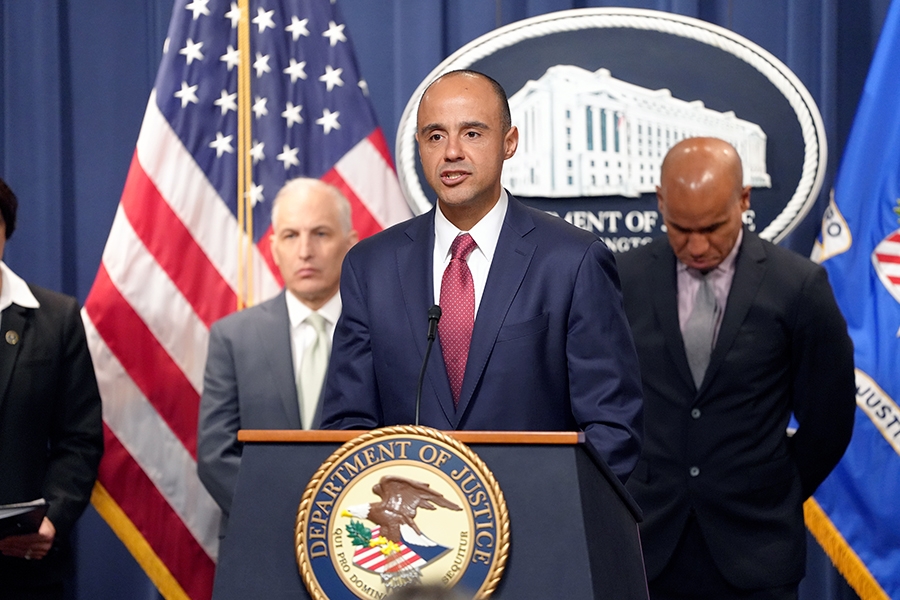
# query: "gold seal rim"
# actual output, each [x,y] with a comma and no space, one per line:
[498,564]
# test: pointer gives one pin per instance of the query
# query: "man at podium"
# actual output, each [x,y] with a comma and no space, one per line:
[532,334]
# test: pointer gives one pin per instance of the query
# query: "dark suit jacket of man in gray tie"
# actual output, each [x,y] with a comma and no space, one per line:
[719,457]
[250,380]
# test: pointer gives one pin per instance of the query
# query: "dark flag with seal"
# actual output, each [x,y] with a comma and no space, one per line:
[854,512]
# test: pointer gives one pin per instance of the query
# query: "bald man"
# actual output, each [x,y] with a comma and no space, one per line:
[532,336]
[734,335]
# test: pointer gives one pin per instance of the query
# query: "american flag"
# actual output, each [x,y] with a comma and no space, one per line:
[371,558]
[173,262]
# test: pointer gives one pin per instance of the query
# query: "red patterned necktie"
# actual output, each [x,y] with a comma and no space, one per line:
[458,312]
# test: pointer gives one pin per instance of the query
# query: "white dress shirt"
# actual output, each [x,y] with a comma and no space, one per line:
[303,335]
[486,233]
[14,290]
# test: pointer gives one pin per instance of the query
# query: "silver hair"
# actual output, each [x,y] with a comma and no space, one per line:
[304,185]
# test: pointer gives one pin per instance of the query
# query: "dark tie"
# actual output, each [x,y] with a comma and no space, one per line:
[700,329]
[458,307]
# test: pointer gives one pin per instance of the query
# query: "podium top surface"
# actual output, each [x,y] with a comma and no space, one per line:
[569,438]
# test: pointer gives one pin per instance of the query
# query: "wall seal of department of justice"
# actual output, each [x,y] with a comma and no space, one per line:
[599,95]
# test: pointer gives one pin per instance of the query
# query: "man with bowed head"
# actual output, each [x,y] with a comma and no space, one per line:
[266,364]
[533,335]
[734,335]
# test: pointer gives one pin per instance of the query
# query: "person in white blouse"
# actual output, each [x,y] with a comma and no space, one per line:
[51,433]
[266,364]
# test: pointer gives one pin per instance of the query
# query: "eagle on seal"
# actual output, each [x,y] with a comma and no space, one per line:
[396,513]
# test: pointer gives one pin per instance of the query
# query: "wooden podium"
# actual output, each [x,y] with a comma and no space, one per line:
[574,530]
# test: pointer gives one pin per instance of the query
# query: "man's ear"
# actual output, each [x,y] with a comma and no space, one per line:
[745,198]
[272,248]
[511,142]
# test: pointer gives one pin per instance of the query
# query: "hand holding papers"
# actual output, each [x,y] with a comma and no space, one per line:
[22,518]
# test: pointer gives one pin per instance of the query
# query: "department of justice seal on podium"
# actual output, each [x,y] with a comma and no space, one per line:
[398,506]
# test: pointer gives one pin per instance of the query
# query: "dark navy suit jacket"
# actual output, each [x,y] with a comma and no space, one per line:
[722,451]
[551,349]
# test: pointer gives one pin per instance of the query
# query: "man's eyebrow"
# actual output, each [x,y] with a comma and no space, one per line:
[464,125]
[708,228]
[713,226]
[474,124]
[430,127]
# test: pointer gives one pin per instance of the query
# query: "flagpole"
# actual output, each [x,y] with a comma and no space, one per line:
[244,167]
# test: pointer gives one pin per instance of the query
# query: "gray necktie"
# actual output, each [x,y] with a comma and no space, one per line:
[700,329]
[312,370]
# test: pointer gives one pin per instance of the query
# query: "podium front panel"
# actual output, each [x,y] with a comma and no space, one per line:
[570,532]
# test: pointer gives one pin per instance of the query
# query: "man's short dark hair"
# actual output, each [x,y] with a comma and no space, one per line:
[505,117]
[8,207]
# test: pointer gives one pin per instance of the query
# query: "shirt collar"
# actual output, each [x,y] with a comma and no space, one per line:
[485,232]
[14,290]
[297,311]
[726,265]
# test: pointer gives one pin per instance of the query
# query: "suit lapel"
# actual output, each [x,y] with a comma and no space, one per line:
[749,270]
[665,304]
[274,333]
[510,263]
[415,272]
[13,321]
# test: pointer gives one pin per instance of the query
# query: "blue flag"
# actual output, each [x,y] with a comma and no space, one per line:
[855,514]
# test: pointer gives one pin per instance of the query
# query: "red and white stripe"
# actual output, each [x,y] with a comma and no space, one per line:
[366,177]
[169,270]
[373,559]
[886,259]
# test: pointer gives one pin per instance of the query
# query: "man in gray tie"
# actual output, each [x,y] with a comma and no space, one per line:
[734,335]
[266,364]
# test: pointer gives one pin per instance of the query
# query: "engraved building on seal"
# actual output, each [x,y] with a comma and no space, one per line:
[584,133]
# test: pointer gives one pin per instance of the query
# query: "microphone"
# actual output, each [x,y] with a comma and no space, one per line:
[434,315]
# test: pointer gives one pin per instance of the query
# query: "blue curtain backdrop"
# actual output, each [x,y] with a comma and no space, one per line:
[75,76]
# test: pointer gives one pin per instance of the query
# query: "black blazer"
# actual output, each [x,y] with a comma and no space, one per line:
[722,450]
[51,434]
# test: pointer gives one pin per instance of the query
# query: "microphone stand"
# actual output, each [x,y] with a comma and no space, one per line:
[434,315]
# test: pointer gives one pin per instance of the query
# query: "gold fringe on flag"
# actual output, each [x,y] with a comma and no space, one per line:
[842,555]
[123,527]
